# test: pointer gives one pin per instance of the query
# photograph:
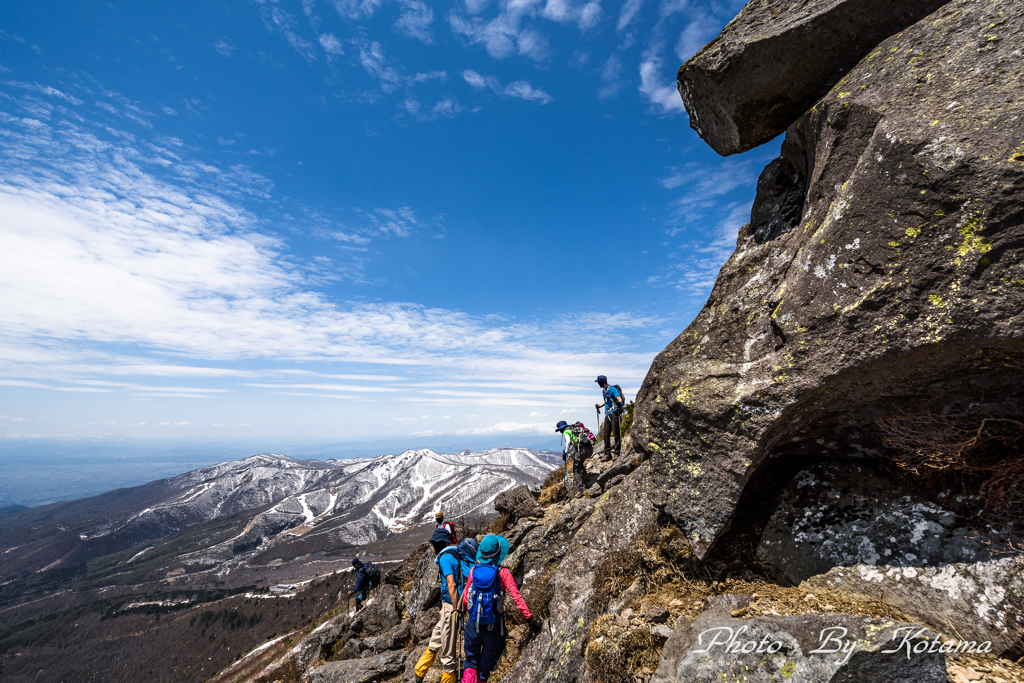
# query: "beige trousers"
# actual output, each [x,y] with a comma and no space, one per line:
[445,638]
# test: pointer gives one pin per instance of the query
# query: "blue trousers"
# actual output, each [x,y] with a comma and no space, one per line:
[484,649]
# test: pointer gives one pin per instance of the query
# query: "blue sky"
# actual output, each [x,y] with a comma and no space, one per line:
[348,220]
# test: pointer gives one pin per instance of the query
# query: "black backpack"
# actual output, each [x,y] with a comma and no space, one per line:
[582,434]
[373,573]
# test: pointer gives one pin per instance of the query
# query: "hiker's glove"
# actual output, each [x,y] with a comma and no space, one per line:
[534,625]
[598,406]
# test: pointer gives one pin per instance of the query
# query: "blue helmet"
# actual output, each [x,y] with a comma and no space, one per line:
[601,379]
[562,424]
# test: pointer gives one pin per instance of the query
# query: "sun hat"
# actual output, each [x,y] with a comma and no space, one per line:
[493,550]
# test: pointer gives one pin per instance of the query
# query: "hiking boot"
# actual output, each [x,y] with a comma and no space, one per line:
[419,679]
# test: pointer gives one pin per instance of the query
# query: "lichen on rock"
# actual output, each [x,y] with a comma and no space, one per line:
[900,284]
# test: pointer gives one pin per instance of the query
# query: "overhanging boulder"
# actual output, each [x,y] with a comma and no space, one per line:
[777,58]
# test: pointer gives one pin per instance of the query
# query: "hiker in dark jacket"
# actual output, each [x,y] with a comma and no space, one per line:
[614,407]
[367,576]
[483,599]
[577,449]
[439,523]
[445,636]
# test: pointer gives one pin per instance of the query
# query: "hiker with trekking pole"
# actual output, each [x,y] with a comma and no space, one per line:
[579,448]
[483,601]
[453,565]
[367,578]
[614,407]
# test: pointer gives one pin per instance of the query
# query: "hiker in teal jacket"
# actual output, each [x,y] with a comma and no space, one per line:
[579,449]
[614,407]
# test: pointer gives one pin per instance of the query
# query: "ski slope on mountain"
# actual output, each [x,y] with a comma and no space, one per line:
[276,503]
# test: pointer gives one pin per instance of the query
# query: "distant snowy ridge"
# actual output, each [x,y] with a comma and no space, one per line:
[320,503]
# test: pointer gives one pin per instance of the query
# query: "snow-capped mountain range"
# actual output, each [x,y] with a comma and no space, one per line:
[265,501]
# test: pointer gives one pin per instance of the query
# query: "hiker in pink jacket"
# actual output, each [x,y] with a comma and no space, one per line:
[484,598]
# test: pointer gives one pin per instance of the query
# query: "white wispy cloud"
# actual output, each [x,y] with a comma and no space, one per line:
[446,108]
[612,70]
[702,187]
[392,77]
[696,264]
[478,81]
[505,34]
[324,387]
[703,26]
[658,87]
[224,47]
[520,89]
[107,247]
[371,56]
[525,91]
[331,45]
[40,385]
[47,90]
[356,9]
[586,15]
[630,10]
[286,25]
[415,20]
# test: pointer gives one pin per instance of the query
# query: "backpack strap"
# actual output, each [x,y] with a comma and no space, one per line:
[458,566]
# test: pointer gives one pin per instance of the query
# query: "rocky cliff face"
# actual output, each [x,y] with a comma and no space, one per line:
[882,270]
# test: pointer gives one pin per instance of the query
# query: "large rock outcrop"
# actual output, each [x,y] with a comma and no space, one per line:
[897,283]
[365,670]
[517,503]
[777,58]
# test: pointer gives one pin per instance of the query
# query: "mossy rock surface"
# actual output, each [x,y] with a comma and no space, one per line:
[899,283]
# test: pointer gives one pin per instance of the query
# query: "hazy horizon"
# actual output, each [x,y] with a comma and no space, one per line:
[39,471]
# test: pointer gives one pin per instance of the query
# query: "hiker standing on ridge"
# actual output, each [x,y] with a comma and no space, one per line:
[579,448]
[367,578]
[445,636]
[447,526]
[484,598]
[614,406]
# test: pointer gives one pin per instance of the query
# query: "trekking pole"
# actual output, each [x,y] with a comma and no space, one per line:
[598,409]
[565,464]
[459,644]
